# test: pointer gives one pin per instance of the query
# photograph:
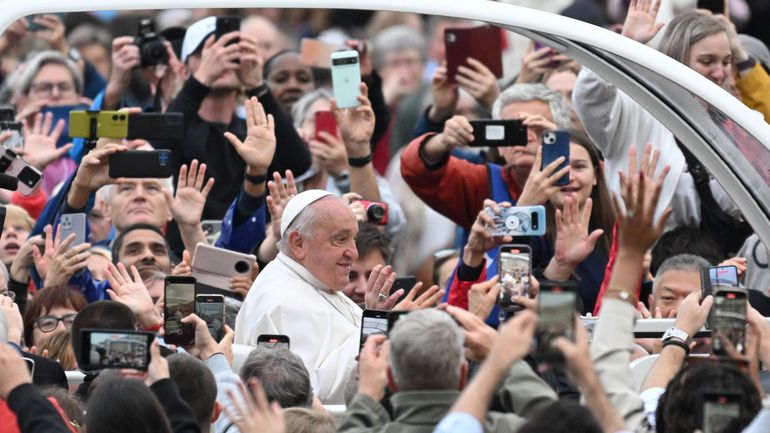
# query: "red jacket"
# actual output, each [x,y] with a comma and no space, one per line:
[458,290]
[454,188]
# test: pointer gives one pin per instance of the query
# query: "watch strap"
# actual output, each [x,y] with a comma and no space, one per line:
[677,342]
[360,162]
[256,180]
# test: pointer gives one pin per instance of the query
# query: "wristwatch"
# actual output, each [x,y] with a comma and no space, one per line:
[673,334]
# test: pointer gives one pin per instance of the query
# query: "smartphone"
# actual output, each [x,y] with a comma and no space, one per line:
[374,322]
[62,112]
[213,267]
[324,121]
[716,7]
[715,277]
[553,64]
[393,317]
[496,133]
[74,223]
[117,124]
[211,308]
[728,319]
[317,53]
[225,25]
[13,165]
[346,78]
[720,411]
[274,341]
[32,26]
[514,266]
[109,348]
[482,43]
[16,140]
[556,307]
[178,303]
[518,221]
[556,144]
[406,282]
[211,228]
[30,365]
[141,164]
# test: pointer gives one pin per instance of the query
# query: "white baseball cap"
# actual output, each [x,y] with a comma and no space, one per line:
[298,203]
[196,34]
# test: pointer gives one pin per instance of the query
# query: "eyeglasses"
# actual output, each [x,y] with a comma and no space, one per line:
[46,87]
[49,323]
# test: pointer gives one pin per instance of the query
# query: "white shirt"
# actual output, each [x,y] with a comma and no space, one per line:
[322,325]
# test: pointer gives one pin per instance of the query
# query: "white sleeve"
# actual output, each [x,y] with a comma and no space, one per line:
[650,398]
[458,422]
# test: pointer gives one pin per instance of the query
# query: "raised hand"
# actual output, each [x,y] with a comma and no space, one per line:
[479,337]
[479,81]
[330,152]
[15,372]
[53,33]
[250,72]
[66,261]
[256,415]
[445,95]
[43,259]
[259,146]
[187,203]
[129,289]
[536,63]
[217,58]
[691,314]
[158,367]
[204,345]
[125,58]
[427,299]
[280,195]
[94,168]
[378,296]
[40,141]
[640,22]
[480,239]
[573,242]
[184,267]
[541,184]
[173,77]
[356,124]
[640,190]
[483,296]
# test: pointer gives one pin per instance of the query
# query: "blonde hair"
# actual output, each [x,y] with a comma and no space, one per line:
[17,215]
[301,420]
[59,346]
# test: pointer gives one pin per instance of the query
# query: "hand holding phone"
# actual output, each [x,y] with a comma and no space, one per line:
[373,322]
[179,302]
[555,145]
[109,348]
[325,122]
[211,309]
[556,308]
[518,221]
[497,133]
[514,267]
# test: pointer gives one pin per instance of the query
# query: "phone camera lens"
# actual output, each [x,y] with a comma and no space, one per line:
[114,117]
[122,117]
[241,267]
[533,218]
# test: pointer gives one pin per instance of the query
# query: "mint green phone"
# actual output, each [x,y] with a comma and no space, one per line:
[346,78]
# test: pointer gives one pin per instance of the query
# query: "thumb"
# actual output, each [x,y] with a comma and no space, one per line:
[63,150]
[186,257]
[594,237]
[168,196]
[494,292]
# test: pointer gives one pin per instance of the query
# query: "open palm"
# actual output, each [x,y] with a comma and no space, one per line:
[640,22]
[258,148]
[187,205]
[573,242]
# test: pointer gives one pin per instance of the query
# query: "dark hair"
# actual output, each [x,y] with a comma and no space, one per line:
[70,404]
[680,406]
[196,385]
[118,243]
[560,416]
[125,406]
[684,240]
[283,376]
[602,213]
[371,238]
[102,315]
[46,300]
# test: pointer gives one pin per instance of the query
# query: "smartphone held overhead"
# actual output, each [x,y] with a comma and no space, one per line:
[346,78]
[481,43]
[514,269]
[518,221]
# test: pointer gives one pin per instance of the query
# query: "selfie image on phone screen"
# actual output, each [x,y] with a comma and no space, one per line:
[729,313]
[514,275]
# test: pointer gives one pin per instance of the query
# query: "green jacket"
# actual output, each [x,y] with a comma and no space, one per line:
[522,391]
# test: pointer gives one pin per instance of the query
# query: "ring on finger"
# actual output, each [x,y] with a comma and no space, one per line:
[382,297]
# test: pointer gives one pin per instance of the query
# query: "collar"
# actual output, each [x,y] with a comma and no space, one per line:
[422,407]
[302,272]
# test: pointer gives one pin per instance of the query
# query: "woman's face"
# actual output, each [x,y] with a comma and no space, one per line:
[712,58]
[582,175]
[61,326]
[289,80]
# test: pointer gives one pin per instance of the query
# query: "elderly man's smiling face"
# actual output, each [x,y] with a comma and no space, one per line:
[328,251]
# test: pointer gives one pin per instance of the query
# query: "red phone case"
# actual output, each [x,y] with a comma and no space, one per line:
[482,43]
[324,121]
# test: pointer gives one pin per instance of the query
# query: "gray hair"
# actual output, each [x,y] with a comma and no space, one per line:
[87,34]
[300,108]
[303,223]
[682,263]
[107,192]
[283,376]
[685,30]
[396,38]
[33,66]
[526,92]
[426,351]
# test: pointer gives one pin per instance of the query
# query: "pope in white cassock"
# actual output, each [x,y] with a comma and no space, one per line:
[298,294]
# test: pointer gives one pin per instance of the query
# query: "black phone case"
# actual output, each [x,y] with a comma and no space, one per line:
[514,133]
[141,164]
[156,126]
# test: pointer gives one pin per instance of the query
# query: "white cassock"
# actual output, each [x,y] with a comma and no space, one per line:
[323,326]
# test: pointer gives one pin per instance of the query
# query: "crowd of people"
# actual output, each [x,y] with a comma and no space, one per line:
[328,224]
